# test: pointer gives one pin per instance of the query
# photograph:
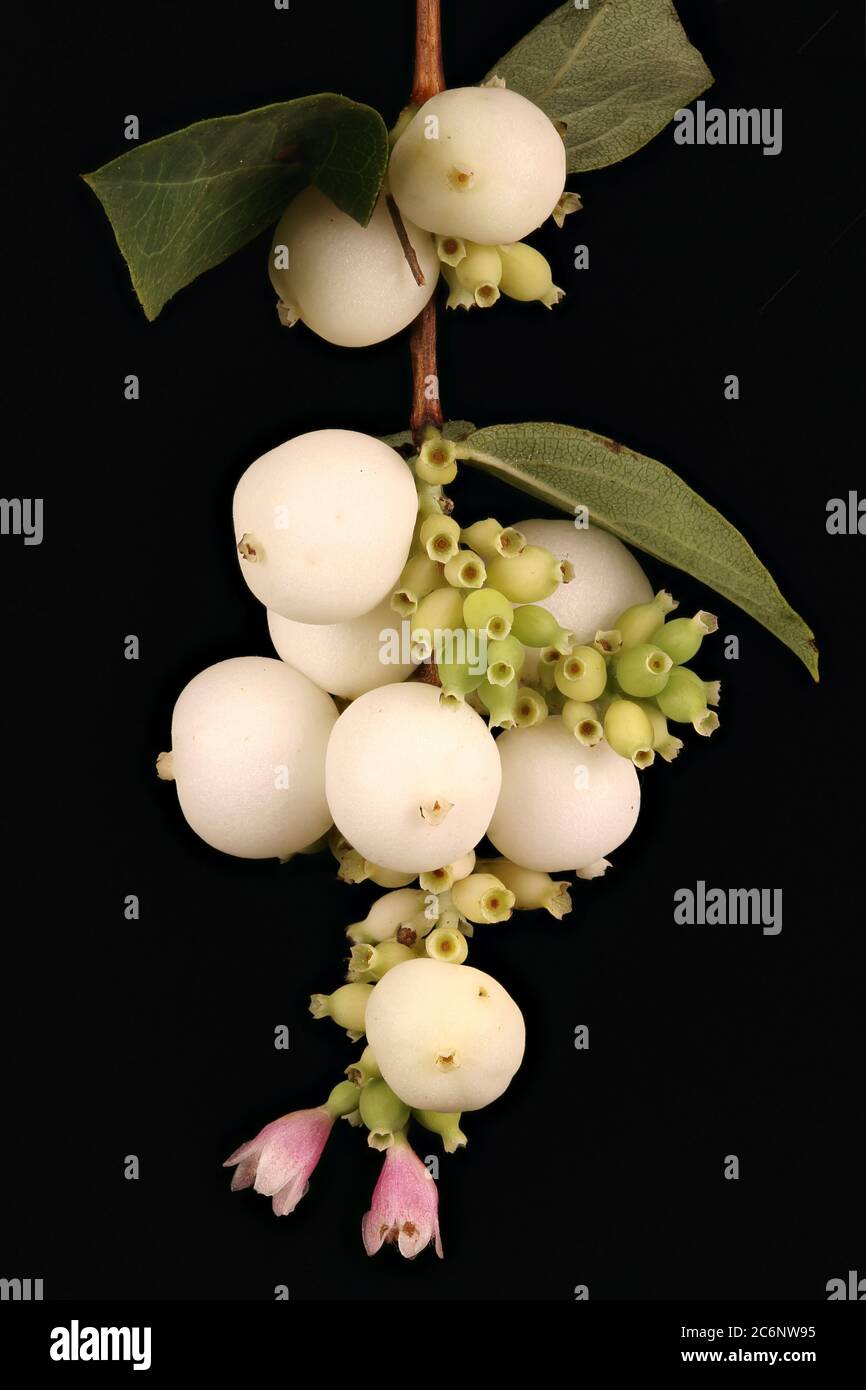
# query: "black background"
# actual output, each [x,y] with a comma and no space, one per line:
[155,1038]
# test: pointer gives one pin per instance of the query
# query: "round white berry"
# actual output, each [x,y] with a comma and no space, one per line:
[248,741]
[562,806]
[350,658]
[445,1037]
[411,783]
[350,284]
[481,163]
[323,525]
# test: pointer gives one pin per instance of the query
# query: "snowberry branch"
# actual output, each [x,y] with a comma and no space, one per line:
[428,80]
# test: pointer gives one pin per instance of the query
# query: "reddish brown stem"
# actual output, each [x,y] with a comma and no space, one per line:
[429,79]
[429,72]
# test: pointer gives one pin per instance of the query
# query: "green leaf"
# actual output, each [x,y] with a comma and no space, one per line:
[182,204]
[615,73]
[645,504]
[454,429]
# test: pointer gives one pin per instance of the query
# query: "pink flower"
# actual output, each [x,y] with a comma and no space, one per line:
[405,1207]
[279,1161]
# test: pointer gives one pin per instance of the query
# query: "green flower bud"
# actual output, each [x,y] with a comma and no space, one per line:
[459,297]
[440,613]
[629,732]
[489,539]
[532,575]
[365,1069]
[382,1112]
[439,536]
[500,701]
[446,1126]
[681,637]
[437,461]
[448,944]
[531,708]
[479,272]
[505,658]
[642,670]
[488,611]
[343,1100]
[458,679]
[450,249]
[640,622]
[440,881]
[581,719]
[548,659]
[531,888]
[683,699]
[536,627]
[420,576]
[582,675]
[664,742]
[466,570]
[526,275]
[376,961]
[346,1006]
[608,642]
[483,898]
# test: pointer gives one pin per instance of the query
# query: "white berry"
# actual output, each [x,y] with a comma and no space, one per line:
[445,1037]
[323,525]
[481,163]
[411,783]
[248,741]
[350,284]
[607,580]
[562,806]
[346,659]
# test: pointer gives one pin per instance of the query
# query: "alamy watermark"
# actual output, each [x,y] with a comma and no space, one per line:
[22,516]
[736,126]
[734,907]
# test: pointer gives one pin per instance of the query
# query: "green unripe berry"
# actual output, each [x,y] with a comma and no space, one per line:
[450,249]
[488,538]
[537,627]
[446,1126]
[582,675]
[346,1006]
[664,742]
[683,699]
[629,732]
[438,614]
[465,570]
[489,611]
[581,719]
[420,576]
[479,272]
[483,898]
[505,658]
[681,637]
[500,701]
[343,1100]
[437,461]
[642,670]
[532,575]
[448,944]
[382,1112]
[641,621]
[526,275]
[439,536]
[531,708]
[365,1069]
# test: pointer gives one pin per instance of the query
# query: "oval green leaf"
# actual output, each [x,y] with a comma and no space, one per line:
[648,506]
[615,73]
[184,203]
